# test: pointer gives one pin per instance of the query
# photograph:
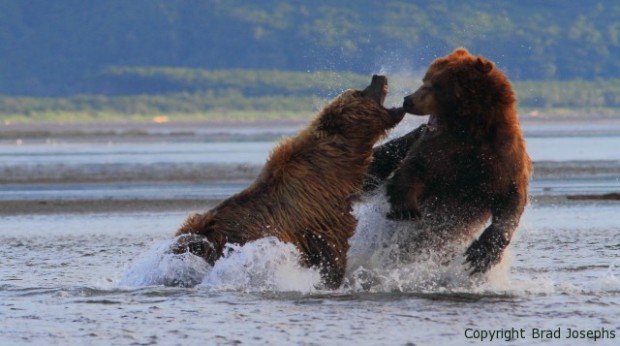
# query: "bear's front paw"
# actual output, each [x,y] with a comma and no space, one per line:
[484,253]
[371,183]
[397,114]
[401,213]
[192,243]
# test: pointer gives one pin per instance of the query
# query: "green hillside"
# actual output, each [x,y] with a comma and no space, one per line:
[73,59]
[181,94]
[52,48]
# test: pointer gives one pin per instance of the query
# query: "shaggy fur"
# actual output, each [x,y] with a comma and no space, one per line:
[305,191]
[468,164]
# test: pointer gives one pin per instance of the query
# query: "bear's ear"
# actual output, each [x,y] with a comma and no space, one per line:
[460,52]
[484,65]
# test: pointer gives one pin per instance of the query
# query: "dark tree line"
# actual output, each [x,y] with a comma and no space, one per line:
[126,92]
[59,48]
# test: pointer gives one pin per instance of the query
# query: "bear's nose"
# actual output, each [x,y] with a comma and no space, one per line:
[407,102]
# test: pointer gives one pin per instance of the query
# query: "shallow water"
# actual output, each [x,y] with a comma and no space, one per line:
[63,162]
[541,148]
[75,279]
[119,191]
[133,153]
[98,278]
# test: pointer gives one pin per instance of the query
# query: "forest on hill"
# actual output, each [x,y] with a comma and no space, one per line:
[182,94]
[195,56]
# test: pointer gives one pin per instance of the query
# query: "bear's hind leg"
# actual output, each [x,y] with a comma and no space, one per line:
[331,262]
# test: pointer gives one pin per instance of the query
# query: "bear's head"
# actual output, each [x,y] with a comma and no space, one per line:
[460,91]
[359,114]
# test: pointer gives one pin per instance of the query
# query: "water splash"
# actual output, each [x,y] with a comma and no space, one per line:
[264,265]
[609,282]
[376,263]
[269,265]
[402,81]
[160,267]
[403,75]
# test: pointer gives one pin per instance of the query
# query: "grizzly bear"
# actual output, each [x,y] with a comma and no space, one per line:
[466,166]
[305,191]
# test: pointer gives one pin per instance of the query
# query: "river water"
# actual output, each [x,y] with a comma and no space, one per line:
[97,278]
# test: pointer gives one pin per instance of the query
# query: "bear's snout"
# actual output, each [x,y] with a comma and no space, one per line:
[408,103]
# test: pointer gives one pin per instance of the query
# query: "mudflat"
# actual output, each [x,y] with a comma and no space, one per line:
[41,162]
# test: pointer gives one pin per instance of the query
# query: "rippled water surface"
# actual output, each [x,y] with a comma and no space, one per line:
[540,147]
[97,278]
[75,279]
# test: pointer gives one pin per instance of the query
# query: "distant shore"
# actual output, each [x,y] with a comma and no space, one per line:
[195,131]
[146,131]
[96,206]
[203,172]
[90,206]
[139,130]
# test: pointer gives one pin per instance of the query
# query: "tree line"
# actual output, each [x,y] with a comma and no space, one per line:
[56,48]
[125,92]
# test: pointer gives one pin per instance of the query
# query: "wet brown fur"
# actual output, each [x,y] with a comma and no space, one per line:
[473,167]
[305,191]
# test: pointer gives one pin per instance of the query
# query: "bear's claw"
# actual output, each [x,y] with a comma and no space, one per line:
[195,244]
[402,213]
[485,252]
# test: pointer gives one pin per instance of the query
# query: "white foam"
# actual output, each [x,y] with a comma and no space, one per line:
[160,267]
[262,265]
[608,282]
[376,264]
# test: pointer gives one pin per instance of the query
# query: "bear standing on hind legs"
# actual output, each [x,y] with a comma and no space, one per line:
[469,164]
[305,191]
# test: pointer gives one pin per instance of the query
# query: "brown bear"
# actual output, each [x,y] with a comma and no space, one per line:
[467,165]
[305,191]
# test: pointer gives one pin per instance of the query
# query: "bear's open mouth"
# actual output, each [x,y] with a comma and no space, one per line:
[384,93]
[433,123]
[378,89]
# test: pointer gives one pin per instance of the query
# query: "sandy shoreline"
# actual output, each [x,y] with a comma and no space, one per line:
[46,207]
[127,173]
[35,173]
[69,128]
[194,205]
[131,131]
[128,132]
[208,172]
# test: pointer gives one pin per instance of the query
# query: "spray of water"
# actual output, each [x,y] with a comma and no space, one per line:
[264,265]
[160,267]
[375,264]
[375,261]
[268,265]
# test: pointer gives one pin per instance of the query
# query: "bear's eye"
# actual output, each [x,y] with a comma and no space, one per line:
[436,87]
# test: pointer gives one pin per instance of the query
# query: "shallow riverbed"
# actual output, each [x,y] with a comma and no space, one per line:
[74,279]
[94,276]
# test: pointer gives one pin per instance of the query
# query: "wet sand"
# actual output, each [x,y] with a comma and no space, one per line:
[120,173]
[192,173]
[200,173]
[90,206]
[129,132]
[248,130]
[9,208]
